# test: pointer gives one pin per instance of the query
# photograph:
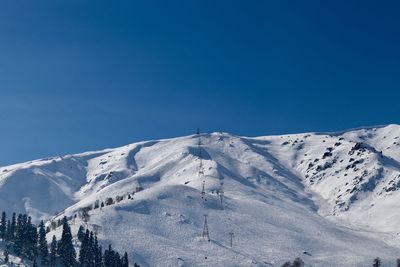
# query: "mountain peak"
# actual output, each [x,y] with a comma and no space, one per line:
[253,186]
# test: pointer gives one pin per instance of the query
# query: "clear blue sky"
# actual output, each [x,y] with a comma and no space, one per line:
[83,75]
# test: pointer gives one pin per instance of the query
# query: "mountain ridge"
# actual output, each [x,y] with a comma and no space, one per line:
[339,183]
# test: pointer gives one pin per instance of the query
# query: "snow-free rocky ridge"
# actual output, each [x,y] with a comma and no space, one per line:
[331,198]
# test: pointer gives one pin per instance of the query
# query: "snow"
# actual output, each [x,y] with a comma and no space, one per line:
[330,198]
[12,259]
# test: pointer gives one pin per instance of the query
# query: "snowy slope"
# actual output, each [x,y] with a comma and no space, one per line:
[311,195]
[357,172]
[12,259]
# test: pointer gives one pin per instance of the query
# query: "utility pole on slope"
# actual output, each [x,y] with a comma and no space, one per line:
[221,196]
[201,167]
[231,236]
[206,233]
[203,190]
[199,149]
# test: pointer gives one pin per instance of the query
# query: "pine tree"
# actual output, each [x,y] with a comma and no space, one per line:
[98,254]
[53,252]
[12,227]
[117,260]
[3,226]
[8,235]
[84,250]
[125,260]
[91,250]
[298,263]
[42,246]
[81,233]
[31,239]
[18,234]
[398,263]
[66,248]
[108,256]
[6,256]
[377,262]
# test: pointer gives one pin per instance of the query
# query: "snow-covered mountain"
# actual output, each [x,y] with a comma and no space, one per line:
[330,198]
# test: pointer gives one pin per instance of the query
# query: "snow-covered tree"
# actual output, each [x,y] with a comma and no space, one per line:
[98,256]
[125,261]
[53,252]
[31,239]
[81,233]
[84,250]
[42,245]
[11,229]
[66,248]
[3,226]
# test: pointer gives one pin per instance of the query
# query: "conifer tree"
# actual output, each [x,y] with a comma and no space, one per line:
[83,253]
[6,256]
[66,248]
[8,230]
[125,261]
[298,263]
[81,233]
[42,246]
[3,226]
[53,251]
[377,262]
[90,255]
[98,254]
[30,239]
[117,260]
[17,234]
[108,256]
[12,227]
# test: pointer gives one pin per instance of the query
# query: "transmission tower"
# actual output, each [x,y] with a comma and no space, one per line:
[201,167]
[203,190]
[231,234]
[206,233]
[221,196]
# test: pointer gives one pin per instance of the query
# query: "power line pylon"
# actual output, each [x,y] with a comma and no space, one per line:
[201,167]
[221,196]
[199,149]
[203,189]
[206,233]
